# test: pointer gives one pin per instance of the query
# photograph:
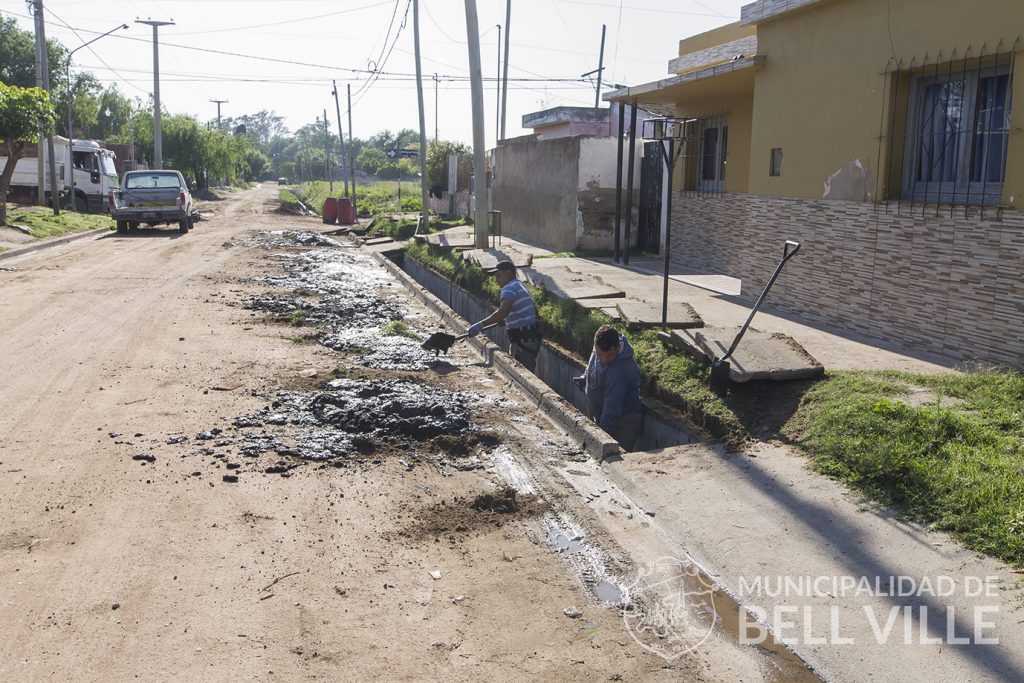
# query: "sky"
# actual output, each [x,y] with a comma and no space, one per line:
[282,55]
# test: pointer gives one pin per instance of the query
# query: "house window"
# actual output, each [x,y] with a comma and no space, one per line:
[714,143]
[775,164]
[958,125]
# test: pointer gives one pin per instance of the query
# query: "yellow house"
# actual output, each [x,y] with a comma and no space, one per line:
[887,136]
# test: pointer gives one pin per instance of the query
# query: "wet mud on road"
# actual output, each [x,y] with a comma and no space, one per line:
[271,481]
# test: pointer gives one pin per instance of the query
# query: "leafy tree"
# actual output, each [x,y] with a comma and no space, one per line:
[261,128]
[371,160]
[18,57]
[22,112]
[437,164]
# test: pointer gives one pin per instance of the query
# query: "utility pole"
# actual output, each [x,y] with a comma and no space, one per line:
[219,102]
[599,70]
[327,156]
[504,81]
[351,151]
[435,107]
[476,80]
[497,93]
[43,81]
[341,136]
[158,142]
[424,201]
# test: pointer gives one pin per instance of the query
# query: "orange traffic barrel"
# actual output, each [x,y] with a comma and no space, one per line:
[330,211]
[346,212]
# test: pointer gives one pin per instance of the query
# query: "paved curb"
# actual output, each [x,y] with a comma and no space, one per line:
[56,242]
[591,439]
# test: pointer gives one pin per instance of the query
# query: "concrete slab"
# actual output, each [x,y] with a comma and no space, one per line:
[645,314]
[759,355]
[568,284]
[488,258]
[452,238]
[378,240]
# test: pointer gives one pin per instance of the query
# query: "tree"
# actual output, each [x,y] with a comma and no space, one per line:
[437,164]
[261,128]
[18,57]
[23,111]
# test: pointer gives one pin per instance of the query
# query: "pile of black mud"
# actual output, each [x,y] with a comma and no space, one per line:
[350,423]
[375,408]
[345,295]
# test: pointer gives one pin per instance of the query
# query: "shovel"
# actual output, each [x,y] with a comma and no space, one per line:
[720,368]
[442,341]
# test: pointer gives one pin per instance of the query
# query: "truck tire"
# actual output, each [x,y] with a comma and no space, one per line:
[183,225]
[122,226]
[81,205]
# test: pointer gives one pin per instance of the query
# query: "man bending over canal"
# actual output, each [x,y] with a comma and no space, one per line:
[612,385]
[519,312]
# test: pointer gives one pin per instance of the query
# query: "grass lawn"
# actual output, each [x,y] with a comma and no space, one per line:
[946,451]
[44,224]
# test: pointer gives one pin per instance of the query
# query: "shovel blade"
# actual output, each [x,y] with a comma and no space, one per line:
[719,379]
[438,341]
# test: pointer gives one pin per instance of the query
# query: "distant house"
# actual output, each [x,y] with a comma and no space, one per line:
[885,136]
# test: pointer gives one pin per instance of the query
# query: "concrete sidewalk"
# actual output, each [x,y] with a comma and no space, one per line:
[715,303]
[856,593]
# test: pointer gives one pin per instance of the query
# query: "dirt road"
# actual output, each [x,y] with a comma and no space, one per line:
[195,488]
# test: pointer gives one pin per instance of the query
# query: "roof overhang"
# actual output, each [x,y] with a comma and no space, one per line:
[722,80]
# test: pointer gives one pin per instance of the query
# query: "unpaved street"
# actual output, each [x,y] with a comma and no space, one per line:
[215,466]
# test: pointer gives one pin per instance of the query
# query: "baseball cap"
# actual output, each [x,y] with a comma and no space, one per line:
[502,265]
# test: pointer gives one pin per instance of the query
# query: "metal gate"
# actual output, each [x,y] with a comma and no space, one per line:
[649,227]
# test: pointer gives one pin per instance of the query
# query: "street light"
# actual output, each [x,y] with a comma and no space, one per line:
[673,131]
[158,146]
[69,172]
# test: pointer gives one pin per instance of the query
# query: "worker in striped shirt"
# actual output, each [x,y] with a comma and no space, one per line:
[519,312]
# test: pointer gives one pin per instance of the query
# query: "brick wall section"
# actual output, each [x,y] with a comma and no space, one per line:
[714,55]
[761,10]
[941,284]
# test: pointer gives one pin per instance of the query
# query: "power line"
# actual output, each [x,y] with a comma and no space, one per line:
[112,69]
[286,21]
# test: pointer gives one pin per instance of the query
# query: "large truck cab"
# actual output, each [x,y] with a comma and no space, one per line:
[93,174]
[88,183]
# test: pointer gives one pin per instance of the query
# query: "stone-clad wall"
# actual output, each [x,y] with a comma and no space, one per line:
[941,284]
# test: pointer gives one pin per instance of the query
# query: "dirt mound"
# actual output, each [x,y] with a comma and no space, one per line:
[473,514]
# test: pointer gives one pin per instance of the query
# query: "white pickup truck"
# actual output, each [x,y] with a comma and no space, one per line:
[154,198]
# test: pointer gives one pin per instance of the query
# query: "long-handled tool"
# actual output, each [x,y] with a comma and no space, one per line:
[442,341]
[720,368]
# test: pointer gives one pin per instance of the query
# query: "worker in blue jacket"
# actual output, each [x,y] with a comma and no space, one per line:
[612,385]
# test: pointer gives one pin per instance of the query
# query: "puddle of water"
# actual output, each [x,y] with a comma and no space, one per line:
[606,591]
[563,543]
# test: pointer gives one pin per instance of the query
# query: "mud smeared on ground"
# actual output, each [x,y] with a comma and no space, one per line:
[349,299]
[284,239]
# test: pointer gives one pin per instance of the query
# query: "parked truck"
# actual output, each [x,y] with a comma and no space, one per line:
[152,197]
[86,188]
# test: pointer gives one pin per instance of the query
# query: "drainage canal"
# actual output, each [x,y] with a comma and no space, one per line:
[556,369]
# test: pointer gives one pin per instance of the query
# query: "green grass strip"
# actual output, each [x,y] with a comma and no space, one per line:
[952,458]
[44,224]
